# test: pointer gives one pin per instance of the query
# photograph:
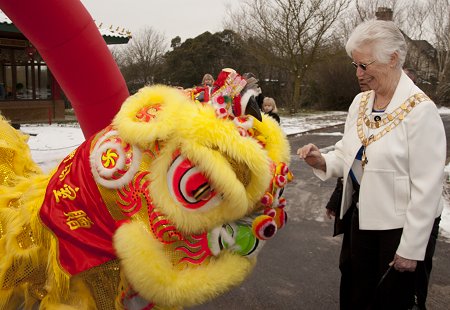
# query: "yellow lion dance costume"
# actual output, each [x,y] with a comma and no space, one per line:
[164,208]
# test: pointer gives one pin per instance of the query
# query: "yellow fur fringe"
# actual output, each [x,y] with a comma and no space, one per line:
[19,215]
[154,278]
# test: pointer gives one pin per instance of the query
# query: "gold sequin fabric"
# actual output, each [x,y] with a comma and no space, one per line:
[20,265]
[103,282]
[30,274]
[6,168]
[15,156]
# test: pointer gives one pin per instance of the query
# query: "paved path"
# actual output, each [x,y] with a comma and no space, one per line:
[298,268]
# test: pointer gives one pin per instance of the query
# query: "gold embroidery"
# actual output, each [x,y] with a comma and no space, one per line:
[65,172]
[70,156]
[78,219]
[66,192]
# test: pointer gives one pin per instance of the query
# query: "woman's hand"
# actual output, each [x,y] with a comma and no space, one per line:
[330,214]
[312,156]
[403,264]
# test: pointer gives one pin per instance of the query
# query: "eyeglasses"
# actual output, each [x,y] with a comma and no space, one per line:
[362,66]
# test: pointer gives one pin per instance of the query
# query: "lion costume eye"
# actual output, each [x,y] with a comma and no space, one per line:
[189,186]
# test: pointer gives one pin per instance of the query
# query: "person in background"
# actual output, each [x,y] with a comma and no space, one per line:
[392,158]
[269,107]
[412,74]
[203,93]
[207,80]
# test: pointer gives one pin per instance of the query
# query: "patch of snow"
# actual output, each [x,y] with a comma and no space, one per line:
[301,123]
[49,144]
[444,226]
[337,134]
[444,110]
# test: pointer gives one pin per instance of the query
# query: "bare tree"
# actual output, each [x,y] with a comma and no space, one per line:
[140,58]
[288,33]
[429,21]
[404,12]
[414,16]
[117,52]
[440,31]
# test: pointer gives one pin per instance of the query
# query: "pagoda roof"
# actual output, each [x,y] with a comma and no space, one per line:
[111,35]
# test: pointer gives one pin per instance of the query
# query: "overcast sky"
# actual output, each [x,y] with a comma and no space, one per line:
[184,18]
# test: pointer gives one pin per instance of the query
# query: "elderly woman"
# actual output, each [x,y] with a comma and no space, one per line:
[392,158]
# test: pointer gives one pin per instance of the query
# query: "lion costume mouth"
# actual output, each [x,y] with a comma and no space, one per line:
[155,278]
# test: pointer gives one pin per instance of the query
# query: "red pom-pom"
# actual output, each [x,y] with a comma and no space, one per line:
[264,227]
[270,212]
[221,113]
[280,180]
[242,132]
[220,100]
[280,217]
[284,169]
[267,199]
[281,202]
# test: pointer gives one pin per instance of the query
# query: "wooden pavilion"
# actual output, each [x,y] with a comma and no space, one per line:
[28,90]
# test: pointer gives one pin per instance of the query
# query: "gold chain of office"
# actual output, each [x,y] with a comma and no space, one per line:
[389,120]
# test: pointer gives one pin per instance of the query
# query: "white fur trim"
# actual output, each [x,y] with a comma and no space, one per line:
[101,174]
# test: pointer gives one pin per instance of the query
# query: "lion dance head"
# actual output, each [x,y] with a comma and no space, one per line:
[164,208]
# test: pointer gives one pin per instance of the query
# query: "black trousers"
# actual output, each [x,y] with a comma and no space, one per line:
[344,262]
[365,257]
[423,269]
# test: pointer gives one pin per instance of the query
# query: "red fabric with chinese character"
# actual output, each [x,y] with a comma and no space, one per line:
[74,211]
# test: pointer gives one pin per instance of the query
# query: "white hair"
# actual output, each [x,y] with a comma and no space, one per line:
[383,37]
